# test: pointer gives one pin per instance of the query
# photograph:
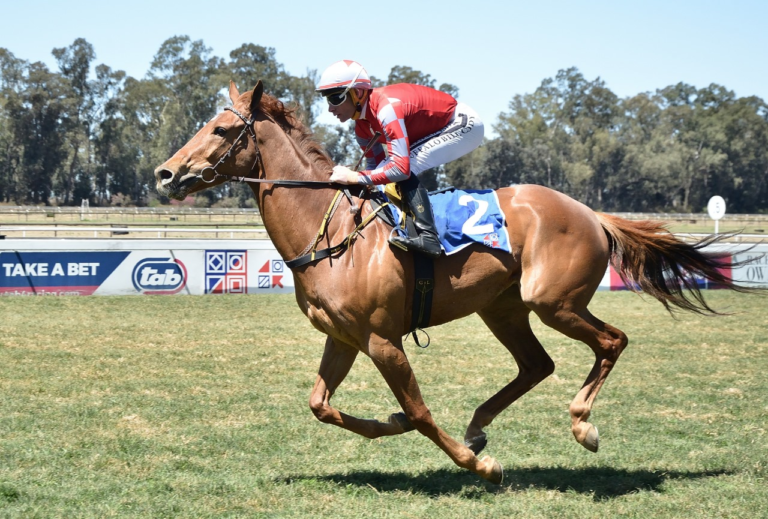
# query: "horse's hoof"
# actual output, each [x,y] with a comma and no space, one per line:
[588,437]
[477,443]
[497,472]
[401,421]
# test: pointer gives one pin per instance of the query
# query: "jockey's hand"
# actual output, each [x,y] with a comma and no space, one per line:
[344,175]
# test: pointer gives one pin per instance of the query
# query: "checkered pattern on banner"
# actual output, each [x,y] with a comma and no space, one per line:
[226,272]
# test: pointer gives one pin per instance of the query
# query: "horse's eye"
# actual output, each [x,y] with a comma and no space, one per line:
[221,132]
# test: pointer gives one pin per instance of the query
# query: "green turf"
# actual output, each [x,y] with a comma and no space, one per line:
[196,407]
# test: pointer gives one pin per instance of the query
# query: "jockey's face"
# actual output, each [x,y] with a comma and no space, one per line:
[343,111]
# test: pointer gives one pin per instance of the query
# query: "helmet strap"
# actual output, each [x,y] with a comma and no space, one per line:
[357,102]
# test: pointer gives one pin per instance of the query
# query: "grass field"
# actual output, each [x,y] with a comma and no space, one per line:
[196,407]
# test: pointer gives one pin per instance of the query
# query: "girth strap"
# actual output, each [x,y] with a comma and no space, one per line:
[423,291]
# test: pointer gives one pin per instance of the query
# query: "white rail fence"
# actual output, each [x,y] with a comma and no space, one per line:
[84,212]
[64,231]
[80,231]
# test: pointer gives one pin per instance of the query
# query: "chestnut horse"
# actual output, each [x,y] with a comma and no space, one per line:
[361,296]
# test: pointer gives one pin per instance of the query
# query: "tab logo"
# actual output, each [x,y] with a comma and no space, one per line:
[153,276]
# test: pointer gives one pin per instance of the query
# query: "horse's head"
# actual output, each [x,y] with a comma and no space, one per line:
[225,146]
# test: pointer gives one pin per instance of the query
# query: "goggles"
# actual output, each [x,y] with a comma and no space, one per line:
[337,99]
[340,97]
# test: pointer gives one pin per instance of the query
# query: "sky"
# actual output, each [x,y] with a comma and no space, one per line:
[491,50]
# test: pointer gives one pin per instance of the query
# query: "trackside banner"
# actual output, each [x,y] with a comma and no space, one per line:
[197,267]
[141,267]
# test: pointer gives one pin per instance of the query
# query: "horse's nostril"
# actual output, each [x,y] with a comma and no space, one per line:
[164,176]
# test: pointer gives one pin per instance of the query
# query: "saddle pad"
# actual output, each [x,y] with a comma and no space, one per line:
[466,217]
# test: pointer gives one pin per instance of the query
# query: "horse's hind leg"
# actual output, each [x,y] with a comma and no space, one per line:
[606,342]
[508,319]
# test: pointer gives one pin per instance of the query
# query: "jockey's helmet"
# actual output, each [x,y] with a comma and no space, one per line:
[344,74]
[342,78]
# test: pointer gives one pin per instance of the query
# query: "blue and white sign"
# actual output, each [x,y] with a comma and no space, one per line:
[56,273]
[156,276]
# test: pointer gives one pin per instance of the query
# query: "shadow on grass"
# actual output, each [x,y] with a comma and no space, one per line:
[600,482]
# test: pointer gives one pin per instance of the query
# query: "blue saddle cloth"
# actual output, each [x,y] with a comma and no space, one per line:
[466,217]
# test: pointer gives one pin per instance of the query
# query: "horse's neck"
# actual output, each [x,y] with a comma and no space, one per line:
[291,215]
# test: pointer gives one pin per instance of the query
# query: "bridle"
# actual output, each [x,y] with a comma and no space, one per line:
[248,127]
[209,178]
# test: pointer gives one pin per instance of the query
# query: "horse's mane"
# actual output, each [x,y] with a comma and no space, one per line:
[287,119]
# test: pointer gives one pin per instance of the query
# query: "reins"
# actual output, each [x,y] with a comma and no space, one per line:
[310,253]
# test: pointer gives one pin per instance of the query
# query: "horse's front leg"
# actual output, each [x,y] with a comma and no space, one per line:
[334,367]
[392,363]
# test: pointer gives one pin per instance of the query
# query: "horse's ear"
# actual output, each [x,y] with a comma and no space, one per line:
[258,90]
[233,93]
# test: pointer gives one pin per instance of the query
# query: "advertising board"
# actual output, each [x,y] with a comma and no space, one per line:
[199,267]
[141,267]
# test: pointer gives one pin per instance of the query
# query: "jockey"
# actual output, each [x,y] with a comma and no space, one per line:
[421,127]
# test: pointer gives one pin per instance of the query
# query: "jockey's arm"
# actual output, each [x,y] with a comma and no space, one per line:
[395,166]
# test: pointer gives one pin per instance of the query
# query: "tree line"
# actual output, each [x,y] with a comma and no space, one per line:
[71,135]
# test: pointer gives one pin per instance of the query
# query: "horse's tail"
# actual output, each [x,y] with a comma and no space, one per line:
[651,259]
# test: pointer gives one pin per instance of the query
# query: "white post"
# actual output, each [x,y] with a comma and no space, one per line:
[84,208]
[716,210]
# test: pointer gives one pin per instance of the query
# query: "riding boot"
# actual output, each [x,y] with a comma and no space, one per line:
[426,241]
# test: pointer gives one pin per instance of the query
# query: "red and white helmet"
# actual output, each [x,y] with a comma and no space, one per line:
[344,74]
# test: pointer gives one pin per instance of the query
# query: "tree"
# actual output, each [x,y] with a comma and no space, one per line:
[190,80]
[74,65]
[115,159]
[533,128]
[475,169]
[12,71]
[339,141]
[301,92]
[564,135]
[250,63]
[743,179]
[688,121]
[141,104]
[37,117]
